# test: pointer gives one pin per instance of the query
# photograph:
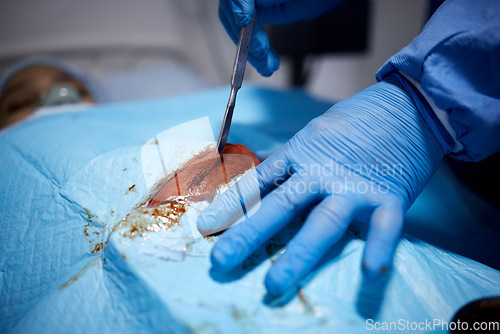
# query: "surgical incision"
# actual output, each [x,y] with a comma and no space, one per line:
[201,178]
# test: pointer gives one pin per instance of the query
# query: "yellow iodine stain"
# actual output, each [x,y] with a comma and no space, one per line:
[152,219]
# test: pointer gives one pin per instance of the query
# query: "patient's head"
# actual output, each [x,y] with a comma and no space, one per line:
[39,82]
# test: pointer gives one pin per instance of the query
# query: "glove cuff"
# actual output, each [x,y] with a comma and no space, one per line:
[438,129]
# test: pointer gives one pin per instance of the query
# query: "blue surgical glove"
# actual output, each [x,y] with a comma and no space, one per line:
[366,159]
[235,14]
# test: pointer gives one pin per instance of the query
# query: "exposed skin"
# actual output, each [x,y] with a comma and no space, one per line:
[200,179]
[23,91]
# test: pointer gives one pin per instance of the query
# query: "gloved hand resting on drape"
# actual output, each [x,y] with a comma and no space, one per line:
[366,159]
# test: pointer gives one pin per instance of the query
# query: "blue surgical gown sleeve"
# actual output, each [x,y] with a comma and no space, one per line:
[452,71]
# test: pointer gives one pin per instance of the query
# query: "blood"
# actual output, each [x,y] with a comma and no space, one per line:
[200,178]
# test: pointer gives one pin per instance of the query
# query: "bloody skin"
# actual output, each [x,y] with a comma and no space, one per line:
[199,180]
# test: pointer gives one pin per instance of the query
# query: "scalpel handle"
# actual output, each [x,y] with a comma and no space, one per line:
[242,54]
[236,81]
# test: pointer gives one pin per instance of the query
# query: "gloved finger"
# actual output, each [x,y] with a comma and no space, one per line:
[324,226]
[277,209]
[227,208]
[243,11]
[263,3]
[227,19]
[386,224]
[259,46]
[262,56]
[286,12]
[268,65]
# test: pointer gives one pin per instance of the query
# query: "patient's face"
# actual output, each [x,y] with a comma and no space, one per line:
[23,91]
